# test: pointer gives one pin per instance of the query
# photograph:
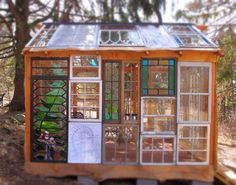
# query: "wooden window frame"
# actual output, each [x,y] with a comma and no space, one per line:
[100,101]
[85,78]
[207,148]
[158,136]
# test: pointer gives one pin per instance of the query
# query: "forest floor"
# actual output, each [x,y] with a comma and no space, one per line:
[12,153]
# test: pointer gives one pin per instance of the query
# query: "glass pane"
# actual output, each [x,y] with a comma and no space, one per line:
[115,71]
[85,66]
[131,91]
[157,149]
[159,124]
[50,67]
[194,79]
[120,144]
[114,36]
[147,143]
[157,157]
[146,157]
[193,108]
[158,77]
[168,157]
[115,91]
[203,112]
[104,36]
[193,131]
[159,106]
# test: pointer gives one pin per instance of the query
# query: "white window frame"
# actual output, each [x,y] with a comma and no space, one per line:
[207,148]
[100,100]
[85,78]
[115,43]
[194,64]
[157,136]
[143,115]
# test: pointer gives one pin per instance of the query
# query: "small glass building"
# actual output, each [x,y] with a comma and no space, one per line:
[121,101]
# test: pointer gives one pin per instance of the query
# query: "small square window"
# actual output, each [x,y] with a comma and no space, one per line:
[157,149]
[158,77]
[85,67]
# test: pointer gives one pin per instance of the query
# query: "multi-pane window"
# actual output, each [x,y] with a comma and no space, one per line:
[158,77]
[120,38]
[158,115]
[193,112]
[193,143]
[49,109]
[85,67]
[120,143]
[188,36]
[131,95]
[85,100]
[121,112]
[194,93]
[157,149]
[112,91]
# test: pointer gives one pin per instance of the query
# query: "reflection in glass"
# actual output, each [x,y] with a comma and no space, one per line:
[157,149]
[85,66]
[112,89]
[193,143]
[158,77]
[85,100]
[131,91]
[120,143]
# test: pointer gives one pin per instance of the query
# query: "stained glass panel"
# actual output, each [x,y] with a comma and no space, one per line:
[158,77]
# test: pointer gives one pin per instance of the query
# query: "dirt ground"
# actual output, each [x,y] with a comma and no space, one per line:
[12,156]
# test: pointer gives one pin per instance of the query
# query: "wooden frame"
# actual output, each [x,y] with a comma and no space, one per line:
[101,171]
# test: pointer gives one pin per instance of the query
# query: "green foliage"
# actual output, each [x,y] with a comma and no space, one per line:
[226,71]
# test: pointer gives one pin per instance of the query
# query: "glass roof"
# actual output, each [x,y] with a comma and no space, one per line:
[96,35]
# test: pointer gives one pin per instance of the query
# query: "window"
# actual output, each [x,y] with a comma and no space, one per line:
[112,91]
[49,109]
[120,38]
[194,93]
[85,67]
[188,36]
[85,101]
[120,114]
[158,77]
[120,143]
[158,115]
[193,144]
[193,112]
[157,149]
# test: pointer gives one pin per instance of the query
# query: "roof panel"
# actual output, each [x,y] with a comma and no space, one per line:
[129,36]
[74,36]
[156,37]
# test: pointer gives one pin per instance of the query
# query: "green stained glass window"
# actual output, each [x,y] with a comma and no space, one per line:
[112,96]
[158,77]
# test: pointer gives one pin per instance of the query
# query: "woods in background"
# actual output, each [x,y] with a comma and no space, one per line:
[21,17]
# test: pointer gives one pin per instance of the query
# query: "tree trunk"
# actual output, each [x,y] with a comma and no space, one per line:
[22,34]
